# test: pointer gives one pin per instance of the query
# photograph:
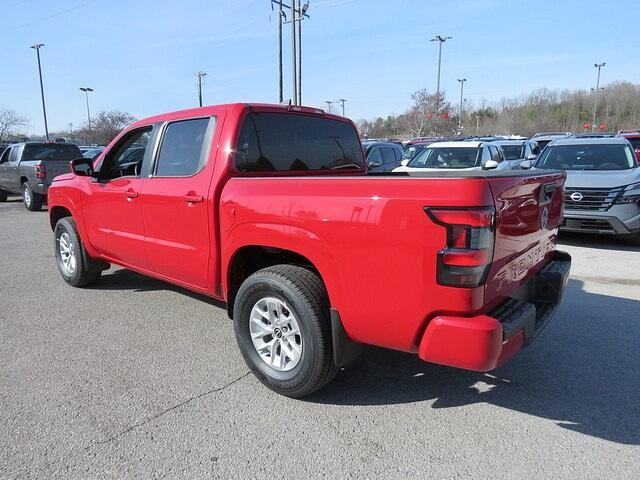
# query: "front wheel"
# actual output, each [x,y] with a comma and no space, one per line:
[3,196]
[32,200]
[281,320]
[74,264]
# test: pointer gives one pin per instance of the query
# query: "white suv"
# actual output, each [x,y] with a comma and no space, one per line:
[462,155]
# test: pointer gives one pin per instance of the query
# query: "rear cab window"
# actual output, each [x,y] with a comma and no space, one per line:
[285,142]
[51,152]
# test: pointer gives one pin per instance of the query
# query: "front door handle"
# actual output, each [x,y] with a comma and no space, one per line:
[132,194]
[193,198]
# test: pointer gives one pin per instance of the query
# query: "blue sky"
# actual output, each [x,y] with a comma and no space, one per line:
[140,56]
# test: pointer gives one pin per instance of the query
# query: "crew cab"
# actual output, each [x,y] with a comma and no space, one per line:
[268,208]
[27,168]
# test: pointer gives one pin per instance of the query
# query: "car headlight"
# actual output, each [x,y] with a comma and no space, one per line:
[631,194]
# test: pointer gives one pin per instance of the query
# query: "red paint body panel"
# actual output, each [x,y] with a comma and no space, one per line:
[368,236]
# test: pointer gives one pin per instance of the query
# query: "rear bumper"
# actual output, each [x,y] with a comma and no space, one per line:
[485,342]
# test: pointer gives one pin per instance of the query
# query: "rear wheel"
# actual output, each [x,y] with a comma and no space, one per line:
[74,264]
[33,201]
[281,320]
[3,196]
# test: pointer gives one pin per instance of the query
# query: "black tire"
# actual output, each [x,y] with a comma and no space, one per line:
[3,196]
[86,269]
[304,295]
[33,201]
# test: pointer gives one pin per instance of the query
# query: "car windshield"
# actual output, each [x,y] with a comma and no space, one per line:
[513,152]
[51,151]
[586,157]
[447,157]
[411,151]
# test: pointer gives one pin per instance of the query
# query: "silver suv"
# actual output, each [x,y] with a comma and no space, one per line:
[602,192]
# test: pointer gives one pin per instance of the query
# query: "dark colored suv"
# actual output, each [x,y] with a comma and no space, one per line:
[382,156]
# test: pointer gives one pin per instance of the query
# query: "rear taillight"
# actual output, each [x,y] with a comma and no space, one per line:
[465,260]
[41,171]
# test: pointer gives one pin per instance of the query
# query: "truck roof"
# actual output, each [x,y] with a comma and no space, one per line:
[212,109]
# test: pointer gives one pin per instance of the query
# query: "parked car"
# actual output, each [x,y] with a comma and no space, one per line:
[464,155]
[382,156]
[543,138]
[633,136]
[270,211]
[413,147]
[92,153]
[602,192]
[517,151]
[28,168]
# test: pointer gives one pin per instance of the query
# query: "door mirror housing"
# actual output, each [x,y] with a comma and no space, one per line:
[404,162]
[531,156]
[490,165]
[82,167]
[374,163]
[525,165]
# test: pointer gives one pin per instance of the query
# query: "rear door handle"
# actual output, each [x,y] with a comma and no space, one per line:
[132,194]
[193,198]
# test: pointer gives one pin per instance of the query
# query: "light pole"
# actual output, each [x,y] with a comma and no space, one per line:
[461,80]
[200,76]
[86,91]
[342,100]
[329,103]
[595,95]
[477,125]
[440,39]
[37,48]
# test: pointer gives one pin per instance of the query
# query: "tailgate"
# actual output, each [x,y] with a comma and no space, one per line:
[55,168]
[528,212]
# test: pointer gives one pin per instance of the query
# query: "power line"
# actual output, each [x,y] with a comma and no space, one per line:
[62,12]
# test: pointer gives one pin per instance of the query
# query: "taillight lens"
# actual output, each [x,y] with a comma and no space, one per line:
[465,260]
[41,171]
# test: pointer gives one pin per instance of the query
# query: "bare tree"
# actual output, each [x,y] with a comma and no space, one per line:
[9,121]
[105,126]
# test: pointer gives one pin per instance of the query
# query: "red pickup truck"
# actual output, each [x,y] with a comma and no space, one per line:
[270,209]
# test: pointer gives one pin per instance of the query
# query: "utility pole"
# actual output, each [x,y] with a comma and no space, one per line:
[200,76]
[298,13]
[440,39]
[477,125]
[329,103]
[37,48]
[595,95]
[461,80]
[281,18]
[86,91]
[342,100]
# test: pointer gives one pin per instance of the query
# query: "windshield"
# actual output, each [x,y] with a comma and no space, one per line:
[513,152]
[411,151]
[447,157]
[51,151]
[586,157]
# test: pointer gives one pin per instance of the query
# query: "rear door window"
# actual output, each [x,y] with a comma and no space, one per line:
[388,156]
[182,152]
[282,142]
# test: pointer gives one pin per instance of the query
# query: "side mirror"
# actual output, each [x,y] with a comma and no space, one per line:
[404,162]
[525,165]
[531,156]
[375,163]
[83,167]
[490,165]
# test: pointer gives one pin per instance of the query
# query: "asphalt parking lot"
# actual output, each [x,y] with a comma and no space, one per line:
[136,378]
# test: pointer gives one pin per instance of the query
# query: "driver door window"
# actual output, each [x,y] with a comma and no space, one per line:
[126,158]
